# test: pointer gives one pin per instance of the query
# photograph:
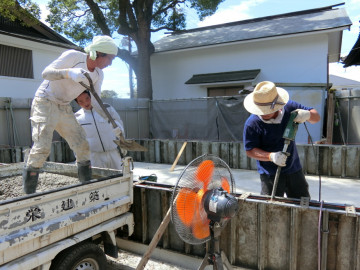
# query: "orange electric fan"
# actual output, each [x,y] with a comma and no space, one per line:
[202,203]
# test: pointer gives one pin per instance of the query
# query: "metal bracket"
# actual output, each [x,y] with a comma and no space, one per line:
[304,202]
[350,210]
[245,196]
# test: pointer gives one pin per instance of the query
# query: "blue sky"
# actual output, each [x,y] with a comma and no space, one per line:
[116,76]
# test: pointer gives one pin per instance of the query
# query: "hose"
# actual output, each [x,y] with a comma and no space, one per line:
[15,132]
[319,235]
[10,119]
[8,124]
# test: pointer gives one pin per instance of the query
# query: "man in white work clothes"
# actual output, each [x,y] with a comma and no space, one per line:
[99,133]
[51,110]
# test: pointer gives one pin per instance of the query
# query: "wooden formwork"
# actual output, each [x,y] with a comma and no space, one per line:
[329,160]
[281,235]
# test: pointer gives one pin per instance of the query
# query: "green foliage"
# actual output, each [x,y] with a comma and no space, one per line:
[24,10]
[108,94]
[205,8]
[74,19]
[174,19]
[82,19]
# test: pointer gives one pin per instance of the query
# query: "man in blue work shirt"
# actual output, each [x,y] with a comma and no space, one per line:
[270,110]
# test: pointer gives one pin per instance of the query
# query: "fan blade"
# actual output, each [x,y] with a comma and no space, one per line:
[225,184]
[201,228]
[200,224]
[185,205]
[205,172]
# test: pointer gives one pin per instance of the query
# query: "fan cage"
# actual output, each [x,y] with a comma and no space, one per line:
[187,211]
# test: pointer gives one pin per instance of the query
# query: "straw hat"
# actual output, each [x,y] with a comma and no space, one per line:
[266,98]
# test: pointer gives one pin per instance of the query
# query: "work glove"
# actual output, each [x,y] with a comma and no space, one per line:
[117,132]
[77,74]
[279,158]
[302,116]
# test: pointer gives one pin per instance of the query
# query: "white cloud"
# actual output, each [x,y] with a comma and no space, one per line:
[231,13]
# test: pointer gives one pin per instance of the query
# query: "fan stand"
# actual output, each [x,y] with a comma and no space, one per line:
[213,256]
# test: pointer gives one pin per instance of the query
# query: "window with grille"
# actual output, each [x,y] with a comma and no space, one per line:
[16,62]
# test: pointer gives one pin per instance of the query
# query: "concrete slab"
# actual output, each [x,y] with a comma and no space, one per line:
[333,190]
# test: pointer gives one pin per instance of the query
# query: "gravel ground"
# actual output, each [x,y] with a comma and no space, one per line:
[11,187]
[129,261]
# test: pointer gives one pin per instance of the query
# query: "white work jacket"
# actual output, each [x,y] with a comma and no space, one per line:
[99,132]
[64,91]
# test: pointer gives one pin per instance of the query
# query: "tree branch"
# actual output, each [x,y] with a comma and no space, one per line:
[170,5]
[131,16]
[149,4]
[98,17]
[125,11]
[128,58]
[162,28]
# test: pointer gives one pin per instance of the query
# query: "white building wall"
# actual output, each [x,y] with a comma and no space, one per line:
[286,60]
[43,55]
[282,60]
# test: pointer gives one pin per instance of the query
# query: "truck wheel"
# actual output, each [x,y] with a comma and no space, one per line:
[86,256]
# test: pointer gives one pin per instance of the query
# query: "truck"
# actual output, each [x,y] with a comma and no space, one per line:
[70,227]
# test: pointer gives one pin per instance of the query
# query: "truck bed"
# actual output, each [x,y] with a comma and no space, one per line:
[12,186]
[31,222]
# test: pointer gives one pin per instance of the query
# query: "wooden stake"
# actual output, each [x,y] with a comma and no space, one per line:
[178,156]
[154,241]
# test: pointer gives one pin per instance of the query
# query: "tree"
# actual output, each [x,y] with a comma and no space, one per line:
[82,19]
[24,10]
[108,94]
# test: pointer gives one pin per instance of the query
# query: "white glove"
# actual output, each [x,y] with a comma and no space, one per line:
[77,74]
[279,158]
[302,116]
[117,132]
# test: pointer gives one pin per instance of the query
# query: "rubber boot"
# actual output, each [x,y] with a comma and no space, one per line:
[30,179]
[84,171]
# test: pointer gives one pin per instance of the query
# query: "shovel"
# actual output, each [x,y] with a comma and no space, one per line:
[122,143]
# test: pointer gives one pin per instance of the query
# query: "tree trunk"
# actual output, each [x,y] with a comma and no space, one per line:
[144,84]
[144,49]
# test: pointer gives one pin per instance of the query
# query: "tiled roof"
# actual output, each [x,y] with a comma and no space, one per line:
[320,19]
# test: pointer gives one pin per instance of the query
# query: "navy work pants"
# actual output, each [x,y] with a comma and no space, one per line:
[294,185]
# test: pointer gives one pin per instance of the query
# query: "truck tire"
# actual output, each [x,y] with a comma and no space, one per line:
[85,256]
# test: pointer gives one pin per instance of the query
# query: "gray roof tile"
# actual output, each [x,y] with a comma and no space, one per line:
[272,26]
